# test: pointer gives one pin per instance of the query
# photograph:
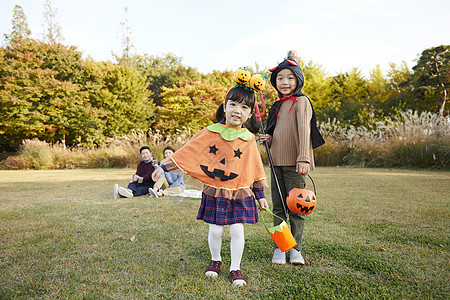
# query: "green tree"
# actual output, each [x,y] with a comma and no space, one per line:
[129,103]
[431,79]
[349,95]
[378,92]
[164,72]
[34,102]
[193,105]
[398,89]
[317,87]
[20,29]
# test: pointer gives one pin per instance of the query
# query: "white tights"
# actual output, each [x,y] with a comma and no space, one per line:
[236,244]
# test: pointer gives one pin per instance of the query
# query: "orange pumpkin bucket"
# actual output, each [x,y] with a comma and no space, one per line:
[302,201]
[281,234]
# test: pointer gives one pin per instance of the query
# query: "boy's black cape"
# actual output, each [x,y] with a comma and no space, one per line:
[316,137]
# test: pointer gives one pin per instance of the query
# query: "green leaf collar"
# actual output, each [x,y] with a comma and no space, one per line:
[230,134]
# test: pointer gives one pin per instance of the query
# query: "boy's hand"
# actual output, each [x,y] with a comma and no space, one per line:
[265,138]
[157,173]
[263,204]
[302,168]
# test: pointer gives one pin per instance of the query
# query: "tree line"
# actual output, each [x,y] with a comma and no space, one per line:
[50,92]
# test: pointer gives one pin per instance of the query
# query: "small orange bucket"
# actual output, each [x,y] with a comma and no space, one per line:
[281,234]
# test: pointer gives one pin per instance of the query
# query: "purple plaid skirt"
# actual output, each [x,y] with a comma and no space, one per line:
[223,211]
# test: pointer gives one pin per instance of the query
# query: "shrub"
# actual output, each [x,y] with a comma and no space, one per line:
[36,154]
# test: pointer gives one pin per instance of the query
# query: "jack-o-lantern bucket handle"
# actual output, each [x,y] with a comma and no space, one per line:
[314,185]
[264,223]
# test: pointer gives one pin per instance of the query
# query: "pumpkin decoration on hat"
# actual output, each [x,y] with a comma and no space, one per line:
[257,82]
[301,201]
[242,76]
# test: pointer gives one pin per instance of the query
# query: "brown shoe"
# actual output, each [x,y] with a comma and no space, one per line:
[213,268]
[237,278]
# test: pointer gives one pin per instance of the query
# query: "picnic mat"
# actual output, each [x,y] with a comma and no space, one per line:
[189,194]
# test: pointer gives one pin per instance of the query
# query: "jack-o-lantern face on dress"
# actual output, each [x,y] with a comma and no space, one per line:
[221,157]
[224,159]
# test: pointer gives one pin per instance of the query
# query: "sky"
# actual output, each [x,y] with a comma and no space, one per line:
[226,35]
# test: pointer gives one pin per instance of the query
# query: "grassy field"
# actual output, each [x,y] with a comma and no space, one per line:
[376,234]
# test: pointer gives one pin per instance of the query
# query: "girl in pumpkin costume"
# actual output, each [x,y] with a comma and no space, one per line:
[224,156]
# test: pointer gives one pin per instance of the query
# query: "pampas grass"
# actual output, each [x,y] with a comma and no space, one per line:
[119,152]
[412,140]
[409,140]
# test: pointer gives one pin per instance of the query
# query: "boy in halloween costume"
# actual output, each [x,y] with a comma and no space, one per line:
[225,158]
[292,134]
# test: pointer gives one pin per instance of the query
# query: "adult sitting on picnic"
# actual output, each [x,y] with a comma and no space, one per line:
[142,180]
[169,183]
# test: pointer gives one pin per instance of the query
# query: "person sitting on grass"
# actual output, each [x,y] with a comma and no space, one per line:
[169,183]
[142,180]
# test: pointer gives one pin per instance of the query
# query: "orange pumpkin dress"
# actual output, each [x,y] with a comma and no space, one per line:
[228,163]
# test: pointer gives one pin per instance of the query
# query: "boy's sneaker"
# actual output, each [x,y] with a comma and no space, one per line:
[279,257]
[295,257]
[213,268]
[116,191]
[152,193]
[127,193]
[237,278]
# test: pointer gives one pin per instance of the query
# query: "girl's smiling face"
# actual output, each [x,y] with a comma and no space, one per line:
[236,113]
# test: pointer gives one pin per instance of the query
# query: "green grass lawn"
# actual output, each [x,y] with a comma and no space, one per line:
[375,234]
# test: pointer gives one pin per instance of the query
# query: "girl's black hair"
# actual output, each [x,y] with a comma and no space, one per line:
[168,148]
[240,94]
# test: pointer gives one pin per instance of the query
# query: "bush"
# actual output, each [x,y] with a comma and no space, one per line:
[431,153]
[33,154]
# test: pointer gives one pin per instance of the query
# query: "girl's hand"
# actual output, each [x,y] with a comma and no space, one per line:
[131,179]
[265,138]
[157,173]
[302,168]
[263,204]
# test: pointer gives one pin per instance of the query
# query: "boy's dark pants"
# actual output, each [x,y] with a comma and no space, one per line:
[288,179]
[140,189]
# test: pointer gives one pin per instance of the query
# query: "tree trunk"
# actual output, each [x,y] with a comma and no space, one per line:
[442,105]
[444,90]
